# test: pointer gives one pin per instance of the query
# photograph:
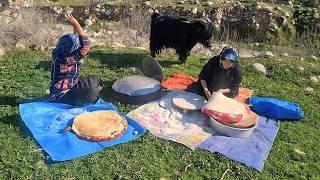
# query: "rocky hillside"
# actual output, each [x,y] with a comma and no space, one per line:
[280,22]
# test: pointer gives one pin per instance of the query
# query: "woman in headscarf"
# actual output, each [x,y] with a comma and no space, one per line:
[67,86]
[222,74]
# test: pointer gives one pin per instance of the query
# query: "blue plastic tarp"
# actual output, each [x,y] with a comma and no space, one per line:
[46,122]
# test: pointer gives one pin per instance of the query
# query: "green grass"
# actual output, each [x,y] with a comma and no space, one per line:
[26,73]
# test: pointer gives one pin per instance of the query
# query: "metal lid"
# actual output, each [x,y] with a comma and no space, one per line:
[151,68]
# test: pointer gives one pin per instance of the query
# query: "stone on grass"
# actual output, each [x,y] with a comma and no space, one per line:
[266,54]
[210,3]
[313,57]
[314,79]
[194,11]
[88,22]
[20,46]
[260,68]
[6,12]
[301,68]
[147,3]
[309,89]
[141,48]
[133,69]
[117,45]
[299,152]
[2,52]
[285,54]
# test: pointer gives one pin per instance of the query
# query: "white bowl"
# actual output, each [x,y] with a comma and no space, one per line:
[231,131]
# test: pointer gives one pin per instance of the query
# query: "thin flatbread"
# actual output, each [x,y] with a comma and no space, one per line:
[99,125]
[189,102]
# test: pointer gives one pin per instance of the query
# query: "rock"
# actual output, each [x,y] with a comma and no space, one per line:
[98,5]
[41,48]
[287,14]
[68,10]
[57,10]
[301,68]
[7,20]
[209,3]
[2,52]
[141,48]
[290,3]
[194,11]
[272,26]
[109,32]
[115,45]
[258,7]
[133,69]
[260,68]
[299,152]
[256,44]
[14,15]
[20,46]
[314,79]
[108,12]
[6,12]
[181,2]
[287,70]
[88,22]
[135,132]
[234,20]
[301,59]
[309,89]
[147,3]
[313,57]
[266,54]
[285,54]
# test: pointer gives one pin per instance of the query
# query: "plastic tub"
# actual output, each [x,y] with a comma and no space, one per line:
[231,131]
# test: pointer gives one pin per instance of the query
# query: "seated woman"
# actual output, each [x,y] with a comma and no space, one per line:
[67,86]
[222,74]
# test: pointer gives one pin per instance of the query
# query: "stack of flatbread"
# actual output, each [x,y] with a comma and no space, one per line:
[99,125]
[229,112]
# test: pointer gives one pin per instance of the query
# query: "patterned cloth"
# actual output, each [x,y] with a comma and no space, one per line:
[66,61]
[164,120]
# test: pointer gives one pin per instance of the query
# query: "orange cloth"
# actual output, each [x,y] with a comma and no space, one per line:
[178,81]
[244,94]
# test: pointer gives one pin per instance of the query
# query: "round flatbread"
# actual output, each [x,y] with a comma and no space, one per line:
[99,125]
[189,102]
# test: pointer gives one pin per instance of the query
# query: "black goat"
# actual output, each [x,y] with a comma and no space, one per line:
[179,34]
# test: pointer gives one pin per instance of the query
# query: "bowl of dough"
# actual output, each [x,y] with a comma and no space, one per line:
[230,117]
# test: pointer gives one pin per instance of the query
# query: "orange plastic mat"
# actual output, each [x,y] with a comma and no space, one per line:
[178,81]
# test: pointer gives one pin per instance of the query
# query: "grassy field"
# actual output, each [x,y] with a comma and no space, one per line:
[26,73]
